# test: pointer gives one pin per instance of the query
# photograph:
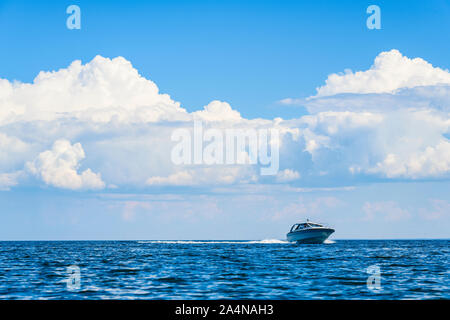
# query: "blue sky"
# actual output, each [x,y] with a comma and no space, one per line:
[250,55]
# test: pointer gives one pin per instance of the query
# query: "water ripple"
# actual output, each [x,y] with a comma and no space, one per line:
[266,269]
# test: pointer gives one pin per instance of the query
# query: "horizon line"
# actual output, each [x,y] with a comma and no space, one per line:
[340,239]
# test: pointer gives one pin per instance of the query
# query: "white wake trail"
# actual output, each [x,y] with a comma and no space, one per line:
[265,241]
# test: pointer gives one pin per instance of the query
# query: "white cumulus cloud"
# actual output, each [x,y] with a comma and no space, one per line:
[433,161]
[101,90]
[218,111]
[58,167]
[389,72]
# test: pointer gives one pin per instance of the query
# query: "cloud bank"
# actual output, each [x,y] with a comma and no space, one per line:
[101,124]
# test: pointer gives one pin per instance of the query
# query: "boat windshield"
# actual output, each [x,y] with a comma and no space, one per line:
[298,226]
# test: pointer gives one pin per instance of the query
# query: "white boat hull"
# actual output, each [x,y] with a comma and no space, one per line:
[312,235]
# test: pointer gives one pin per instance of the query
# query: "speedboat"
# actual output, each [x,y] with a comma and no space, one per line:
[309,232]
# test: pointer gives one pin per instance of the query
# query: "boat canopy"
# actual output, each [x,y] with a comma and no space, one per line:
[307,225]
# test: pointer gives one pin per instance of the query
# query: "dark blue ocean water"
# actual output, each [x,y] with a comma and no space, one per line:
[409,269]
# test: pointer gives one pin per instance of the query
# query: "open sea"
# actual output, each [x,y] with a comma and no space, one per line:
[267,269]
